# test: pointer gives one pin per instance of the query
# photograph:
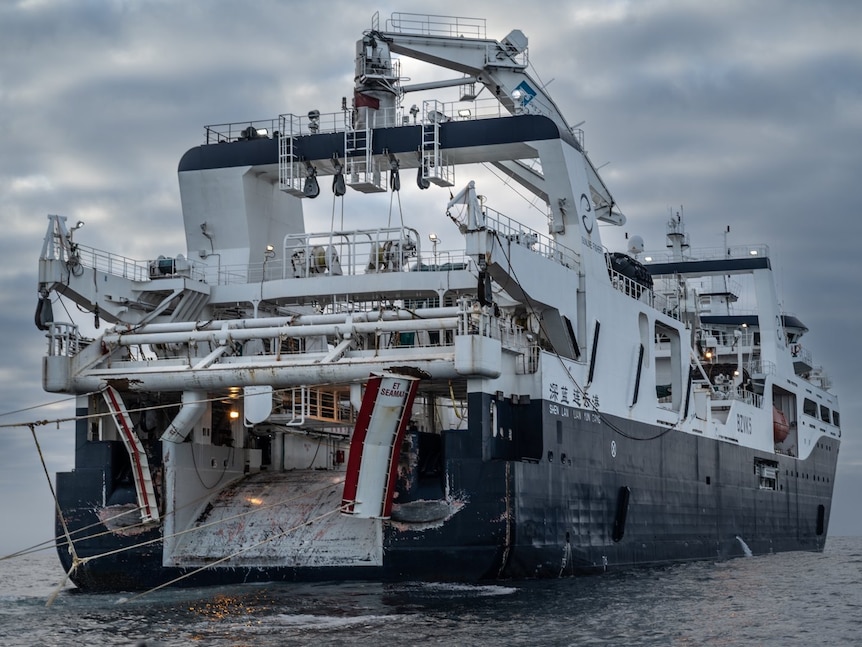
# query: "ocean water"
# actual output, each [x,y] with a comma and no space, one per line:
[786,599]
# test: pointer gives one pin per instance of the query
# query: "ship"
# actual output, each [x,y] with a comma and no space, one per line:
[362,403]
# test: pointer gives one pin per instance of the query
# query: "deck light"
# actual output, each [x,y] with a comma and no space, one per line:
[435,240]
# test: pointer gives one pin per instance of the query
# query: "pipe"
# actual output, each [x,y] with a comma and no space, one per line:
[194,403]
[296,320]
[279,375]
[237,334]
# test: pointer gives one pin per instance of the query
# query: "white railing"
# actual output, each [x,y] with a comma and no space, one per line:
[430,25]
[474,320]
[108,263]
[640,292]
[514,232]
[726,391]
[240,130]
[801,354]
[63,339]
[362,251]
[709,254]
[292,125]
[134,270]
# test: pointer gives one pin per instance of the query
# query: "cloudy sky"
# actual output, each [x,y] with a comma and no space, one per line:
[749,114]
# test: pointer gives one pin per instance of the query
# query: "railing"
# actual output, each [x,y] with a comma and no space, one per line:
[760,367]
[801,354]
[361,251]
[315,407]
[725,340]
[640,292]
[63,339]
[291,125]
[127,268]
[241,130]
[108,263]
[710,253]
[473,320]
[514,232]
[428,25]
[727,391]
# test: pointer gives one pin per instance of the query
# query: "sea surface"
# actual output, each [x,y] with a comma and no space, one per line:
[785,599]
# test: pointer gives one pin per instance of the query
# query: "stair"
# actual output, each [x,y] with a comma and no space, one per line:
[140,465]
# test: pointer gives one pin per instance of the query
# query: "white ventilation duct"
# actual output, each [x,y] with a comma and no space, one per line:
[194,403]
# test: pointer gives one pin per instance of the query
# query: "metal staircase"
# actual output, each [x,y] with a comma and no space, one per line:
[140,465]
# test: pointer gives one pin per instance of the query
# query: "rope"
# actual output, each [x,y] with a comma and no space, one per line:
[79,561]
[340,508]
[46,404]
[75,559]
[68,541]
[96,416]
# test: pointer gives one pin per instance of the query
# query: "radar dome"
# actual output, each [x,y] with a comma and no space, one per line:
[636,245]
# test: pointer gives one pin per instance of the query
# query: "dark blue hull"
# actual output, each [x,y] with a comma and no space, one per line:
[560,495]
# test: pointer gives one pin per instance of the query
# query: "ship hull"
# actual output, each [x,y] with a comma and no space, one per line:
[563,493]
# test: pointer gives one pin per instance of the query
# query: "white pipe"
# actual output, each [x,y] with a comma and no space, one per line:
[278,375]
[239,334]
[356,396]
[194,403]
[213,356]
[296,320]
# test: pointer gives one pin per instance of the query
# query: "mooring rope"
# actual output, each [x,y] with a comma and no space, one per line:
[71,547]
[79,561]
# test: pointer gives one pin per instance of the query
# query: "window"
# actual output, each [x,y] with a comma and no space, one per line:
[824,414]
[836,419]
[809,408]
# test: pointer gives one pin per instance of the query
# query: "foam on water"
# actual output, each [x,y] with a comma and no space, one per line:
[305,621]
[469,590]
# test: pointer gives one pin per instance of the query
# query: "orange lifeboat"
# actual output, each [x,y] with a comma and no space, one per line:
[780,428]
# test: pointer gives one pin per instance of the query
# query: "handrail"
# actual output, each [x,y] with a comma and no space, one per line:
[708,254]
[129,268]
[432,25]
[514,232]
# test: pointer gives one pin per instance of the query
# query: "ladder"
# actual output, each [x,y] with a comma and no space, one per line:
[434,166]
[363,174]
[140,464]
[291,172]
